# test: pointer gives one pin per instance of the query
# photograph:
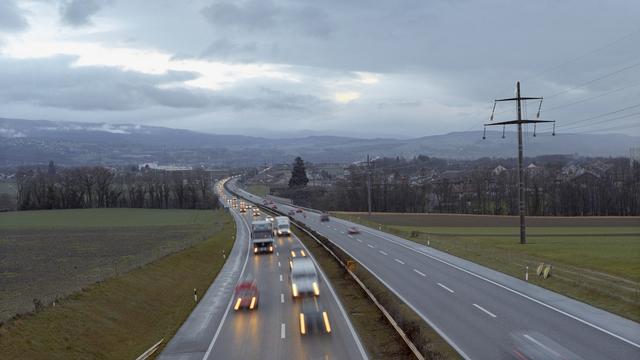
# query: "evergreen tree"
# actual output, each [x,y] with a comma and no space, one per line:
[298,174]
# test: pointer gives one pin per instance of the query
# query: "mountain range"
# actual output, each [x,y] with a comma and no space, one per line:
[26,142]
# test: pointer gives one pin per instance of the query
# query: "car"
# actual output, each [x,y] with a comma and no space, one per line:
[274,207]
[324,217]
[313,319]
[304,278]
[265,202]
[246,295]
[298,210]
[296,252]
[256,212]
[291,213]
[269,218]
[353,230]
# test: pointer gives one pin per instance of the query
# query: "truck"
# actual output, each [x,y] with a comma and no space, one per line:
[282,226]
[262,237]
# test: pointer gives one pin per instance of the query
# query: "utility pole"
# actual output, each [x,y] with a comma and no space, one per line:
[518,99]
[369,184]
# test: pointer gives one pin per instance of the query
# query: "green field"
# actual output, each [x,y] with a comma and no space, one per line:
[260,190]
[45,255]
[121,317]
[596,264]
[86,218]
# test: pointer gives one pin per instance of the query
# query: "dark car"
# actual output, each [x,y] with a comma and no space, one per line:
[313,319]
[324,217]
[353,230]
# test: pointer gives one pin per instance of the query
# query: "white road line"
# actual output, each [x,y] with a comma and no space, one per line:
[419,272]
[280,277]
[279,264]
[282,298]
[282,331]
[446,288]
[383,253]
[359,240]
[399,261]
[350,236]
[485,310]
[542,345]
[539,302]
[277,253]
[369,245]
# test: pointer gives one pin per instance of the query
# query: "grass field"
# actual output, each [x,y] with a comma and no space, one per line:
[86,218]
[121,317]
[598,263]
[46,255]
[260,190]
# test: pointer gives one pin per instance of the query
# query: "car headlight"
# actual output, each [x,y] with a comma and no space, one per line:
[237,304]
[270,248]
[255,250]
[316,289]
[253,303]
[294,289]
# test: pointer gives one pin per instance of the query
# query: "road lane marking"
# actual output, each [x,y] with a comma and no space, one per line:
[279,264]
[277,253]
[388,237]
[485,310]
[282,298]
[359,240]
[446,288]
[369,245]
[399,261]
[419,272]
[542,345]
[282,331]
[280,277]
[350,236]
[383,253]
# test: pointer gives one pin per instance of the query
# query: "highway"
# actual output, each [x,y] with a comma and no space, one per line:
[482,313]
[272,331]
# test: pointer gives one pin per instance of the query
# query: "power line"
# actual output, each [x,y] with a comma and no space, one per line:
[601,121]
[599,116]
[615,72]
[591,98]
[622,127]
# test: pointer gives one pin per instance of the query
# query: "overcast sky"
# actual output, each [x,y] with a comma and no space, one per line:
[405,68]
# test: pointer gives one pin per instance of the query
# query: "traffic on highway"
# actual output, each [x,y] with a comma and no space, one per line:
[281,305]
[483,314]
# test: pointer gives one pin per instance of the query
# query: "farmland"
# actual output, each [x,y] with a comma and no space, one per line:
[596,260]
[46,255]
[119,318]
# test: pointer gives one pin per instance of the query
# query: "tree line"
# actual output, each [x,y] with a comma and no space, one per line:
[426,184]
[102,187]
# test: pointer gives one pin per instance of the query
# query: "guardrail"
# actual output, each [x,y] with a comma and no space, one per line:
[150,351]
[316,237]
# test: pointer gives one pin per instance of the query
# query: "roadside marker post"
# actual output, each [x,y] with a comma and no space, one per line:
[195,295]
[526,274]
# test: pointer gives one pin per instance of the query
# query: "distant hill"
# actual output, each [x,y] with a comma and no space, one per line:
[77,143]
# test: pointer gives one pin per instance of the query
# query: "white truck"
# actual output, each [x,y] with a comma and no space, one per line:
[282,226]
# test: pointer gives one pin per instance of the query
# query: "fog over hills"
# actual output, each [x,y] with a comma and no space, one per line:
[78,143]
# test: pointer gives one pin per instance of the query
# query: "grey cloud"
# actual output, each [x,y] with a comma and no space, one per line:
[223,48]
[267,15]
[79,12]
[11,17]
